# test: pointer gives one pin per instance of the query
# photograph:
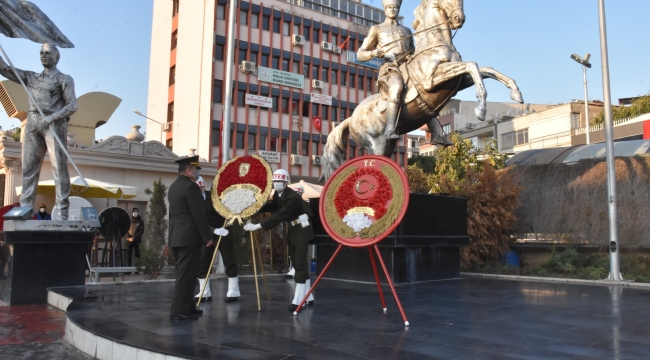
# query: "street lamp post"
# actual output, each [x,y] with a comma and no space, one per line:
[585,64]
[145,116]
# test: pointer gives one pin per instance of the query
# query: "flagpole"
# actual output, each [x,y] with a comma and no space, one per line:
[40,111]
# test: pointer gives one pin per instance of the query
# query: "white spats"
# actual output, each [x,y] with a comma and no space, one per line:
[307,286]
[206,293]
[233,287]
[299,293]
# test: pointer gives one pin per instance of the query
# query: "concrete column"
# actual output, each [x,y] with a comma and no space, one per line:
[13,178]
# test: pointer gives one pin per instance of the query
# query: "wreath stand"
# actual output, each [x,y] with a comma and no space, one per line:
[374,269]
[254,244]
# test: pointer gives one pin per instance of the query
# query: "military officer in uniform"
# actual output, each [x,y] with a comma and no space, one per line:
[188,232]
[289,207]
[388,41]
[226,248]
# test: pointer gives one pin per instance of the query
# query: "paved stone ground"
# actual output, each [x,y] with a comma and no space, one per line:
[35,332]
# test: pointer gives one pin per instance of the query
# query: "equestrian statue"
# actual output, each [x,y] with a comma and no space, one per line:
[421,72]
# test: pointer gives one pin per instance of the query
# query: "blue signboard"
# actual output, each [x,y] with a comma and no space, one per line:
[373,63]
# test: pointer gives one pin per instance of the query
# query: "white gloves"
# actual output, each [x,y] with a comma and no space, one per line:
[221,232]
[252,227]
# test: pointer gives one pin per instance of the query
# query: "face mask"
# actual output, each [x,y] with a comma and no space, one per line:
[42,209]
[278,186]
[135,214]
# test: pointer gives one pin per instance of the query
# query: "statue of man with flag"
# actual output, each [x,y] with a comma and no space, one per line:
[52,100]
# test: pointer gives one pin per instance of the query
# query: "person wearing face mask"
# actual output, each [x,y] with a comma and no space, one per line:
[42,213]
[287,206]
[226,248]
[189,230]
[134,236]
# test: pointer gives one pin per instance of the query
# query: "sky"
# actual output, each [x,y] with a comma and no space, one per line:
[528,40]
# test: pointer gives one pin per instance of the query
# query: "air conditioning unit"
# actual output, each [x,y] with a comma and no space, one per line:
[317,160]
[298,40]
[336,49]
[247,67]
[326,46]
[470,125]
[167,126]
[316,84]
[296,160]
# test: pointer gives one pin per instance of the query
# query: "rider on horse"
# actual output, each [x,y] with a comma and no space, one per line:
[392,43]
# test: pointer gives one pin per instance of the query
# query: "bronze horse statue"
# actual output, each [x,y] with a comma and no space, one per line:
[432,75]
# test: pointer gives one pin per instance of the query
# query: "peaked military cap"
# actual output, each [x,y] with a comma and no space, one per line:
[192,160]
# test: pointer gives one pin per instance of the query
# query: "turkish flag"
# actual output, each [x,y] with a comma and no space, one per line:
[317,122]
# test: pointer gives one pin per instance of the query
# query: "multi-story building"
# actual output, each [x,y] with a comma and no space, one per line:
[296,77]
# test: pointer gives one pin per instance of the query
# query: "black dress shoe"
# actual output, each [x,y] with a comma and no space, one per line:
[310,303]
[197,311]
[292,307]
[231,299]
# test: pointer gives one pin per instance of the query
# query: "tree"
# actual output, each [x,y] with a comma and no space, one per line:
[639,106]
[151,254]
[426,163]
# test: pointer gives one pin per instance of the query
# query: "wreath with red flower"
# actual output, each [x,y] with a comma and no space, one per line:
[241,187]
[367,218]
[345,200]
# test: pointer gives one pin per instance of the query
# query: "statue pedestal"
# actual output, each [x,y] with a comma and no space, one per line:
[425,246]
[39,259]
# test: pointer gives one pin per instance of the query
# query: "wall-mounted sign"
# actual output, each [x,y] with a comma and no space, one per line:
[374,63]
[256,100]
[321,99]
[280,77]
[270,156]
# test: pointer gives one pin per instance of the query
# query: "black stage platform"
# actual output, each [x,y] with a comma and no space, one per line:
[468,318]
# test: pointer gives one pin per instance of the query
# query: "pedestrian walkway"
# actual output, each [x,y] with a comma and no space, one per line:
[467,318]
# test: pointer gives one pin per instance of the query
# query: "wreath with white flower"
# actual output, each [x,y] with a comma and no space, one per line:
[241,187]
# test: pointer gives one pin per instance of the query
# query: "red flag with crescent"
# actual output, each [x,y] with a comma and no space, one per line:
[318,122]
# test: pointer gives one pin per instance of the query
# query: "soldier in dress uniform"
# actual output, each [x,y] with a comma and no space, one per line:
[188,232]
[226,248]
[289,207]
[388,41]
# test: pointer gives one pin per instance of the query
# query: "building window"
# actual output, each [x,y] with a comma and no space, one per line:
[446,129]
[352,77]
[334,114]
[315,34]
[296,67]
[273,146]
[510,139]
[285,105]
[241,98]
[326,112]
[170,112]
[296,29]
[305,147]
[251,141]
[294,146]
[243,17]
[314,148]
[305,33]
[254,20]
[283,145]
[275,63]
[314,109]
[217,91]
[174,39]
[242,55]
[285,65]
[218,52]
[175,5]
[276,26]
[324,36]
[333,39]
[324,74]
[265,22]
[172,75]
[575,121]
[305,70]
[314,72]
[369,84]
[239,140]
[285,28]
[221,12]
[352,45]
[344,77]
[360,82]
[343,114]
[351,153]
[274,100]
[265,60]
[252,56]
[263,142]
[333,76]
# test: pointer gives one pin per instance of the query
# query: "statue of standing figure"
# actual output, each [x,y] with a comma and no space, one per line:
[54,93]
[392,43]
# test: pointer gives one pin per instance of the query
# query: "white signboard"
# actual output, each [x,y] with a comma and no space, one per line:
[256,100]
[270,156]
[280,77]
[321,99]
